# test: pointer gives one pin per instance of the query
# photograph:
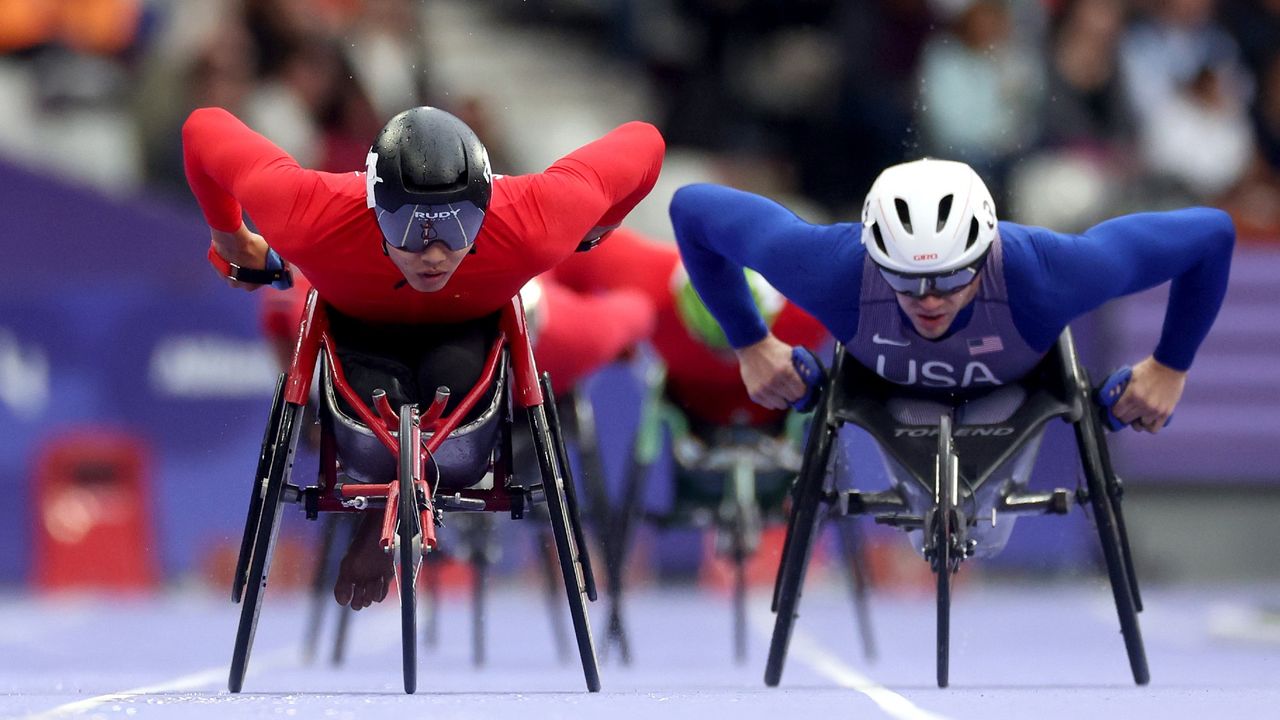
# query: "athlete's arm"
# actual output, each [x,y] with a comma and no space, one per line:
[233,170]
[592,187]
[1054,278]
[817,267]
[721,230]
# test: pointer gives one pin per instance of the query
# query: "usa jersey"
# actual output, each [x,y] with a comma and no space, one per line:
[987,352]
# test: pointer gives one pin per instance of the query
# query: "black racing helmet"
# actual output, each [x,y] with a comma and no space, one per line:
[428,180]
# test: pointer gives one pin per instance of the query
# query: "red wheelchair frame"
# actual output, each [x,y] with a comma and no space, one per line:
[410,506]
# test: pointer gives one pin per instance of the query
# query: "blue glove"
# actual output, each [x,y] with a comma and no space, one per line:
[812,373]
[1112,388]
[275,262]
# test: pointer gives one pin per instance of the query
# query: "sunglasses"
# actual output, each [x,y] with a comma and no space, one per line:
[413,227]
[920,285]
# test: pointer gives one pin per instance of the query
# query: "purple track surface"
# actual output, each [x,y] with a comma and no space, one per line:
[1018,651]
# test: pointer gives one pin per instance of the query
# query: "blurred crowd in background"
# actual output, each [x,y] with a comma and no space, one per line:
[1073,110]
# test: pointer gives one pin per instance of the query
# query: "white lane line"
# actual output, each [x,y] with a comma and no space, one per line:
[383,631]
[193,681]
[807,650]
[186,682]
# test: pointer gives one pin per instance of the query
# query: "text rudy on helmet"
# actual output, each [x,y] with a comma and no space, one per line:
[428,179]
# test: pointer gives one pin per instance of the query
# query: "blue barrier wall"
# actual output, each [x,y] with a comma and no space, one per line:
[109,315]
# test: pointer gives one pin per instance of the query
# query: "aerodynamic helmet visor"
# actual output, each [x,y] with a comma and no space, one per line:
[413,227]
[923,284]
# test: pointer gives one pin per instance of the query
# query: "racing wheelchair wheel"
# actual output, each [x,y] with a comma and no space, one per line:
[856,576]
[742,523]
[431,607]
[802,528]
[574,566]
[409,541]
[325,571]
[739,598]
[479,535]
[943,548]
[257,547]
[1097,471]
[255,491]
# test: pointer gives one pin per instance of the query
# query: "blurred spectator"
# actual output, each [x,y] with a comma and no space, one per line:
[216,70]
[1172,42]
[388,55]
[1255,24]
[94,27]
[1182,72]
[1086,107]
[880,43]
[980,92]
[317,77]
[1203,138]
[1255,202]
[1269,113]
[1086,125]
[68,109]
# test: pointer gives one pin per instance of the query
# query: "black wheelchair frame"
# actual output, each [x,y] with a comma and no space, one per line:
[1058,387]
[411,505]
[737,516]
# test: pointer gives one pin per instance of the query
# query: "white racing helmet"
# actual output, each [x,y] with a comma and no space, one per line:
[928,225]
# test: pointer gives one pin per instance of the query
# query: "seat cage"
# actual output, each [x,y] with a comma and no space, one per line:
[510,358]
[411,505]
[461,459]
[859,397]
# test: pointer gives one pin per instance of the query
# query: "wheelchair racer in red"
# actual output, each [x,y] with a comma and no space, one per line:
[385,248]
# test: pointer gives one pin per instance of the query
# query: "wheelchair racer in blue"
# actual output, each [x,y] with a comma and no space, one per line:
[953,352]
[935,295]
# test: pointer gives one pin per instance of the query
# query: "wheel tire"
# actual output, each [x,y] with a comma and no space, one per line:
[944,531]
[255,491]
[562,528]
[1089,438]
[801,533]
[408,528]
[264,541]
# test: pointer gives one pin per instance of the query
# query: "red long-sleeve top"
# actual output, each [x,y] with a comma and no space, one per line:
[579,332]
[319,221]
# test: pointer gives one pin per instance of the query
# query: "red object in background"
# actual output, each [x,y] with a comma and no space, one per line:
[705,383]
[92,521]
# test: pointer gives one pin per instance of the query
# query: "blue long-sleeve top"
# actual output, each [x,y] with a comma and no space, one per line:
[1052,278]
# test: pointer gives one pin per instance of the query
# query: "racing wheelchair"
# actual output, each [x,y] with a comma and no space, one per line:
[412,466]
[728,479]
[475,545]
[948,490]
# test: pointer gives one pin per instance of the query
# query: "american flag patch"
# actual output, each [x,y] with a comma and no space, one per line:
[988,344]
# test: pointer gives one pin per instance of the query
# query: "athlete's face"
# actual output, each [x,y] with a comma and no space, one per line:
[429,270]
[932,315]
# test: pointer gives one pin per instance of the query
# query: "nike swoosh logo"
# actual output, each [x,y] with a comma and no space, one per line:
[886,341]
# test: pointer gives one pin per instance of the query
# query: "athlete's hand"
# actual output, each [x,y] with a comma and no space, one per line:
[767,372]
[244,248]
[1152,394]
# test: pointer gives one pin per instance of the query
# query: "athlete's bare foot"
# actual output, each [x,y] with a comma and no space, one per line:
[367,571]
